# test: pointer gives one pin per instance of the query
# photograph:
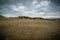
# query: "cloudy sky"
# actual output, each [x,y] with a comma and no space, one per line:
[32,8]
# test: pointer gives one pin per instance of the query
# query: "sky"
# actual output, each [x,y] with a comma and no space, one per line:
[31,8]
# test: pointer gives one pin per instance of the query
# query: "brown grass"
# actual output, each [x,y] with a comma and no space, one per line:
[29,29]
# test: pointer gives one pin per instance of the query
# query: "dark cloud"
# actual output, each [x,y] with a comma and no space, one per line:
[3,2]
[56,2]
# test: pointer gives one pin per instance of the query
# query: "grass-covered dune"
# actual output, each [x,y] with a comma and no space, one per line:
[29,29]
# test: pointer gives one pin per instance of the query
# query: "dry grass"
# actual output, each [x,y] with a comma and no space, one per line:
[29,29]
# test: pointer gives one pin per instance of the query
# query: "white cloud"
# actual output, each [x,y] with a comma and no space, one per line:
[42,4]
[30,12]
[9,15]
[34,2]
[22,7]
[42,13]
[18,8]
[27,11]
[39,14]
[35,10]
[52,17]
[14,8]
